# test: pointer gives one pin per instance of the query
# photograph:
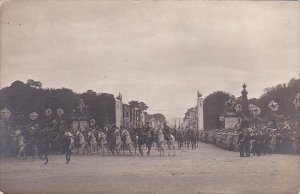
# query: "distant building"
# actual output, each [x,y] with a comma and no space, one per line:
[127,116]
[190,118]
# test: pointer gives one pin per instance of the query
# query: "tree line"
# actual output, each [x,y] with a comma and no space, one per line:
[24,98]
[284,94]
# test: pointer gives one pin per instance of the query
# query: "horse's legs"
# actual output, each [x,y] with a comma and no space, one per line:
[149,144]
[140,149]
[34,152]
[173,150]
[129,147]
[46,158]
[39,155]
[20,151]
[68,156]
[159,148]
[135,147]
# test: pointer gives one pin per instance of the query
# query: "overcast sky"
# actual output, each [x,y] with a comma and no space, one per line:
[159,52]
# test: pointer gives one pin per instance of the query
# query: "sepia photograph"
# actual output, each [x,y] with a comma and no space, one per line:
[149,97]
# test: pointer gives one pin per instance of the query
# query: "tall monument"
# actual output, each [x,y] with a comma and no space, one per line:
[119,111]
[200,111]
[80,118]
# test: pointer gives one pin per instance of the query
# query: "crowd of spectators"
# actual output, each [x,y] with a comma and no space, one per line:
[264,139]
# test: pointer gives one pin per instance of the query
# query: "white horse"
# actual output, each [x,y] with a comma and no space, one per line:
[81,144]
[161,142]
[22,144]
[102,142]
[127,143]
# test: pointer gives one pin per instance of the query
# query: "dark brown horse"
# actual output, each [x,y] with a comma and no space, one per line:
[145,138]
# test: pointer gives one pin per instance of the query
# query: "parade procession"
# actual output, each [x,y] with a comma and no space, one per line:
[133,131]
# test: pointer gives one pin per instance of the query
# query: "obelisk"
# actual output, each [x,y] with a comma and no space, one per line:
[119,111]
[200,111]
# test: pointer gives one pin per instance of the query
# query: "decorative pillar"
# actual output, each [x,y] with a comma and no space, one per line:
[119,111]
[200,111]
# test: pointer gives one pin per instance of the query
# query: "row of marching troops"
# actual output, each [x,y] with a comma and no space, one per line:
[258,140]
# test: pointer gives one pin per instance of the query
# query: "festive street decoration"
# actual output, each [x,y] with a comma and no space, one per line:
[33,116]
[48,112]
[297,101]
[60,112]
[273,106]
[5,113]
[222,118]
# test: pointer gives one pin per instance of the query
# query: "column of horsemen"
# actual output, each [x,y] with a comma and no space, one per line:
[55,138]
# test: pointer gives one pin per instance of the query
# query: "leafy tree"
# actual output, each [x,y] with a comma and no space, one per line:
[34,84]
[142,106]
[157,116]
[213,107]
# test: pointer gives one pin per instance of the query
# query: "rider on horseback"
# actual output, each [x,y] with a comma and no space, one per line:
[167,133]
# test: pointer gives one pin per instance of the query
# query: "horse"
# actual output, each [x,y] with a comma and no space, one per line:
[92,142]
[111,141]
[22,144]
[67,143]
[161,142]
[102,142]
[80,142]
[145,138]
[118,141]
[48,139]
[133,137]
[126,142]
[26,141]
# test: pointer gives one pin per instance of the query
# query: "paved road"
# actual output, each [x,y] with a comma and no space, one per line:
[205,170]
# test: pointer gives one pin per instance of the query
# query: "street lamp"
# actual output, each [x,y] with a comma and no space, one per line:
[297,106]
[273,106]
[33,116]
[256,111]
[297,102]
[60,112]
[222,118]
[5,114]
[48,112]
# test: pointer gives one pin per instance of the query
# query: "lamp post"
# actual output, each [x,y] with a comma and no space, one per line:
[33,116]
[48,112]
[60,112]
[5,114]
[222,120]
[297,106]
[273,106]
